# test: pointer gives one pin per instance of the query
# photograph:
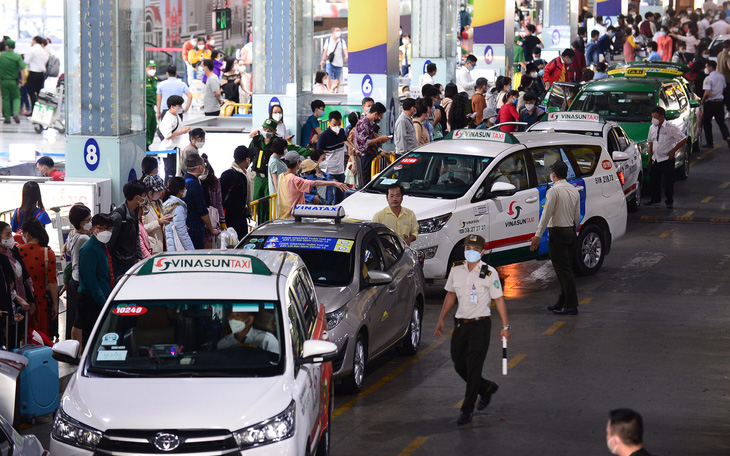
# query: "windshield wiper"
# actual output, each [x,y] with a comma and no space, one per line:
[195,374]
[114,372]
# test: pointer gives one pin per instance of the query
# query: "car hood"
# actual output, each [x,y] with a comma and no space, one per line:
[333,297]
[638,131]
[148,403]
[363,205]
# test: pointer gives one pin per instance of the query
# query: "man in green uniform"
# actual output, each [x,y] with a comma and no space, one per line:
[10,66]
[151,102]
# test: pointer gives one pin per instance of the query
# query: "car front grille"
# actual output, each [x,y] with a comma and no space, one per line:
[189,442]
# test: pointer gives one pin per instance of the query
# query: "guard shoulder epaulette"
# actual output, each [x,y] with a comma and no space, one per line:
[458,263]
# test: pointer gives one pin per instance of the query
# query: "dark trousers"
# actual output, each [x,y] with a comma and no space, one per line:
[662,171]
[34,84]
[170,163]
[72,303]
[196,236]
[366,162]
[714,109]
[89,311]
[120,268]
[469,346]
[339,194]
[561,245]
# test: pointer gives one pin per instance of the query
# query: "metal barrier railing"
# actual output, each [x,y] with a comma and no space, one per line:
[380,163]
[259,215]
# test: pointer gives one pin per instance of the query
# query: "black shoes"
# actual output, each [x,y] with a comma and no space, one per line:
[555,307]
[486,397]
[566,311]
[16,118]
[464,417]
[649,203]
[7,120]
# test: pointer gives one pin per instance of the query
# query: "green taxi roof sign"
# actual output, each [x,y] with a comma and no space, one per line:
[483,135]
[574,116]
[648,70]
[204,263]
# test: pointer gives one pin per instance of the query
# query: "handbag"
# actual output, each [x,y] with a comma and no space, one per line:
[331,56]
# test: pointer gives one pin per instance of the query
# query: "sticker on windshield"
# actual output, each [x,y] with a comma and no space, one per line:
[309,243]
[111,355]
[124,309]
[409,160]
[388,181]
[109,339]
[343,245]
[249,246]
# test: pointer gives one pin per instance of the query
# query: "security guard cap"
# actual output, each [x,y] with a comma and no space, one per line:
[270,124]
[475,240]
[151,63]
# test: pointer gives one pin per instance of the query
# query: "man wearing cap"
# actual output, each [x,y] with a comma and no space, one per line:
[292,187]
[151,98]
[489,118]
[396,217]
[561,216]
[473,284]
[10,66]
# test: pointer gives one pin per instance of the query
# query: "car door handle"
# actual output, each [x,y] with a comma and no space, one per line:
[392,288]
[411,273]
[532,199]
[580,188]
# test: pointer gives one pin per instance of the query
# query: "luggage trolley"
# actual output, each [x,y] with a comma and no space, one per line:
[48,112]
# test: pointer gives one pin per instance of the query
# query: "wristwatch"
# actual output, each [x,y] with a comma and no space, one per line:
[506,328]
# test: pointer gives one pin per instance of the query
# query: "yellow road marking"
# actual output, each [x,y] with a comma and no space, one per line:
[513,362]
[720,219]
[458,404]
[397,371]
[724,184]
[666,233]
[707,200]
[688,214]
[554,327]
[649,217]
[413,446]
[585,301]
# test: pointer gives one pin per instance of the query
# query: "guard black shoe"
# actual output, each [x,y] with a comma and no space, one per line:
[566,311]
[555,307]
[464,417]
[486,397]
[7,120]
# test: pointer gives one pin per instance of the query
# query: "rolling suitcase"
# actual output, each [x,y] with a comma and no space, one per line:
[39,384]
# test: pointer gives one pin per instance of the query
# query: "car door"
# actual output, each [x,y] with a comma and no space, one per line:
[377,299]
[513,217]
[631,168]
[399,266]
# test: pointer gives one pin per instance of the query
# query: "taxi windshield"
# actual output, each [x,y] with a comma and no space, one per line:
[432,175]
[617,106]
[190,338]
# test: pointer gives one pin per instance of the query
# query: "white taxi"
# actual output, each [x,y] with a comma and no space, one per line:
[200,353]
[623,150]
[494,184]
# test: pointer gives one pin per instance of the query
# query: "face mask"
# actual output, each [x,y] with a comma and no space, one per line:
[200,144]
[406,41]
[144,201]
[8,243]
[705,56]
[152,73]
[472,67]
[268,134]
[336,130]
[463,9]
[529,106]
[211,42]
[472,256]
[25,239]
[237,326]
[533,74]
[338,34]
[277,117]
[86,226]
[193,41]
[541,72]
[608,444]
[493,120]
[514,102]
[104,236]
[567,62]
[201,46]
[707,71]
[185,193]
[655,122]
[203,176]
[366,110]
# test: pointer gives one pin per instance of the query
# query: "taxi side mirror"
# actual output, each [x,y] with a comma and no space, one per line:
[379,278]
[503,189]
[619,156]
[67,352]
[671,114]
[317,351]
[694,104]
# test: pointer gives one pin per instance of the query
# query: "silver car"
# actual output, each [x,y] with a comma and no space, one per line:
[370,282]
[14,444]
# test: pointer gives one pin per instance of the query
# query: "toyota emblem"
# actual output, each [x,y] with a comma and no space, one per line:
[164,441]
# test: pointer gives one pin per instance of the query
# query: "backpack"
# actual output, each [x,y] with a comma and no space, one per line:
[53,66]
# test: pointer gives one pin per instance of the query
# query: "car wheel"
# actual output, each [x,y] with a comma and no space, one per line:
[636,200]
[412,339]
[590,250]
[323,447]
[683,172]
[353,382]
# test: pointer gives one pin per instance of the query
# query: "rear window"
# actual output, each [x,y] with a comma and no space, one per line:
[586,158]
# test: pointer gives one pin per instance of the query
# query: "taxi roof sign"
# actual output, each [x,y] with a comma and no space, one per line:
[318,211]
[648,70]
[575,116]
[204,263]
[484,135]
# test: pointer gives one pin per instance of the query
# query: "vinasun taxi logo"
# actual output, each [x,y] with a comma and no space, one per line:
[515,210]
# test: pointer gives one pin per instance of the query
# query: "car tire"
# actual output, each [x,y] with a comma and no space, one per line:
[683,172]
[412,340]
[354,380]
[635,202]
[323,446]
[590,250]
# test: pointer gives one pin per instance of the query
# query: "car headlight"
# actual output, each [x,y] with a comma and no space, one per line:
[275,429]
[70,431]
[433,224]
[428,253]
[334,318]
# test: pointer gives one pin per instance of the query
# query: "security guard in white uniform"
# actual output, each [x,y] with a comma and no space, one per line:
[474,284]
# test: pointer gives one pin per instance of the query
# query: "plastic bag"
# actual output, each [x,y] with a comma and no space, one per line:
[228,238]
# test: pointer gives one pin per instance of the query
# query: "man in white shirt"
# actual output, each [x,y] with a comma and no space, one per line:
[243,333]
[703,24]
[664,141]
[35,60]
[464,80]
[721,27]
[172,134]
[561,216]
[427,77]
[337,47]
[713,103]
[404,133]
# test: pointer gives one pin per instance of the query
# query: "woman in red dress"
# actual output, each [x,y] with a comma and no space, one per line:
[508,111]
[40,261]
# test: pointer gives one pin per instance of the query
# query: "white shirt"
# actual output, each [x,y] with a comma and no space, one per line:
[466,283]
[425,79]
[669,136]
[167,126]
[464,81]
[339,59]
[709,5]
[702,26]
[562,207]
[720,28]
[36,59]
[601,29]
[715,83]
[263,339]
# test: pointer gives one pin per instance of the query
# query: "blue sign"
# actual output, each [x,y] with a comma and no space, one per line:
[309,243]
[607,21]
[425,64]
[367,85]
[556,37]
[273,102]
[488,55]
[91,154]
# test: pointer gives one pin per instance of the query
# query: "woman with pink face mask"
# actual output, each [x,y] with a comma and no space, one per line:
[18,283]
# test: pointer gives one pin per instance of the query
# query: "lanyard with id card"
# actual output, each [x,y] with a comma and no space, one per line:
[473,297]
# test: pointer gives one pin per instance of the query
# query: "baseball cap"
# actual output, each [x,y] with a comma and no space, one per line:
[151,63]
[489,112]
[10,43]
[291,157]
[308,165]
[271,124]
[476,241]
[154,183]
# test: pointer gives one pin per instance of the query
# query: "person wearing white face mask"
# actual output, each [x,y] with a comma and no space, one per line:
[19,283]
[176,232]
[241,331]
[197,142]
[625,433]
[80,218]
[333,142]
[198,54]
[96,278]
[529,113]
[153,220]
[334,54]
[473,284]
[664,141]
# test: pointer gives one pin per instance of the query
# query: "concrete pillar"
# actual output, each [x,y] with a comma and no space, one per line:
[560,24]
[373,64]
[105,102]
[433,31]
[283,64]
[493,24]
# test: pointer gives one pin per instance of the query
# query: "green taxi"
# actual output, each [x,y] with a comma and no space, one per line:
[631,92]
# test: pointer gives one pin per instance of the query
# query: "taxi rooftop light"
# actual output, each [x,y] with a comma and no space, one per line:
[330,212]
[483,135]
[201,262]
[575,116]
